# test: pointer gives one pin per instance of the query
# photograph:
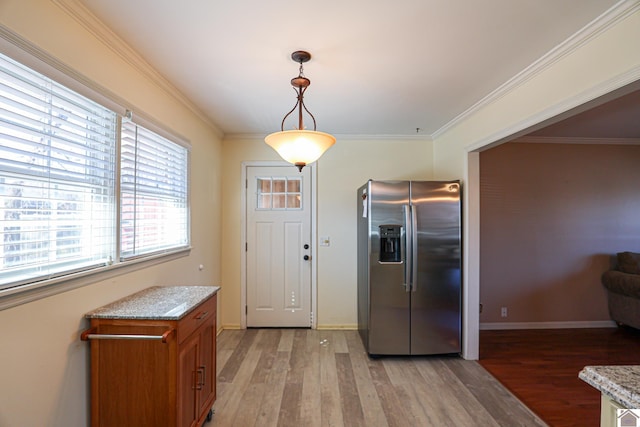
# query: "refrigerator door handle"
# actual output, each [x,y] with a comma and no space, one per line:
[407,247]
[414,248]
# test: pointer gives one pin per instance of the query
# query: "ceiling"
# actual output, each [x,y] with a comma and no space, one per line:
[396,68]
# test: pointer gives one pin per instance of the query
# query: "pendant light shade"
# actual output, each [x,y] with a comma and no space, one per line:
[300,146]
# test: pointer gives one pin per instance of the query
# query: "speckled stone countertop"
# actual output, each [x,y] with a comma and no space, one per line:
[156,303]
[621,383]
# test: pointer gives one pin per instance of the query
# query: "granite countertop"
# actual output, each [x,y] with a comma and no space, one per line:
[621,383]
[156,303]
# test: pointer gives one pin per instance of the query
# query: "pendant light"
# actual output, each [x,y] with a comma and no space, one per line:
[300,146]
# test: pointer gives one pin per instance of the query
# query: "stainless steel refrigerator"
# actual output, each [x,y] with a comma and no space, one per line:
[409,264]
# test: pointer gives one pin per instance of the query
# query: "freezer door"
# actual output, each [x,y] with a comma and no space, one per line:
[435,294]
[389,318]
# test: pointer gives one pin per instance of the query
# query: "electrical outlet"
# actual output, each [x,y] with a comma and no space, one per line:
[503,312]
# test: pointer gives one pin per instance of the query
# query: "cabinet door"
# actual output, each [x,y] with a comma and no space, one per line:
[187,381]
[207,366]
[130,378]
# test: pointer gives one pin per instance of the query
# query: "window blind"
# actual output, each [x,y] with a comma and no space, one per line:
[154,210]
[57,178]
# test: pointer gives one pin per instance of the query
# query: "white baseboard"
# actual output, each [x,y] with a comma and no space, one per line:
[233,326]
[348,327]
[483,326]
[548,325]
[337,327]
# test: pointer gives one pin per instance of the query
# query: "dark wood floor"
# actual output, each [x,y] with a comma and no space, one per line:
[541,367]
[287,377]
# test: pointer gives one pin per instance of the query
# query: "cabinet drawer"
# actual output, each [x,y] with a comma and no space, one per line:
[196,317]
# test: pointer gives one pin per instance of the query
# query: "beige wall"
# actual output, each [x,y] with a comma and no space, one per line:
[551,217]
[44,366]
[346,166]
[599,64]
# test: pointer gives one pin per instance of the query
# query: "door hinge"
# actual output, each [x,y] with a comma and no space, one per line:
[246,247]
[246,183]
[246,309]
[311,318]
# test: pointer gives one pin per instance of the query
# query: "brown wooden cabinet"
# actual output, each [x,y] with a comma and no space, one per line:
[153,372]
[197,372]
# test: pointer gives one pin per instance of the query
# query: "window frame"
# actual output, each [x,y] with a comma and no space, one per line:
[29,55]
[158,132]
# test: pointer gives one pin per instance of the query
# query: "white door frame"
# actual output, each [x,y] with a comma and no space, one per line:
[612,88]
[314,240]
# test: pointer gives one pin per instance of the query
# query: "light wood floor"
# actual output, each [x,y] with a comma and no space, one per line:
[302,377]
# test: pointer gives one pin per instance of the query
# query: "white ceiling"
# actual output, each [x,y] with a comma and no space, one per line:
[379,67]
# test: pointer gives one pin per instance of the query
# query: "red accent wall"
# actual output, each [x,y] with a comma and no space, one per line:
[551,216]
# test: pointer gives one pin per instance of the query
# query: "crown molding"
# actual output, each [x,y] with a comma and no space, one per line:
[609,18]
[27,53]
[526,125]
[33,56]
[340,137]
[80,13]
[576,140]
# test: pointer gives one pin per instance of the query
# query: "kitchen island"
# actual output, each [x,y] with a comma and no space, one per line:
[153,358]
[620,388]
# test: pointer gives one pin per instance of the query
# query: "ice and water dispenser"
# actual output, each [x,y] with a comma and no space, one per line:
[390,243]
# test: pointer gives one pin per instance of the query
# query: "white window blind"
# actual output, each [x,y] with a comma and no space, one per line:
[154,211]
[57,178]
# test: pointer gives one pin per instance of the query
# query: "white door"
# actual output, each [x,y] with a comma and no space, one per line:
[278,247]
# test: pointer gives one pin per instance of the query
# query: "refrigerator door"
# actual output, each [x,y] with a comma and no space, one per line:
[389,317]
[435,293]
[364,252]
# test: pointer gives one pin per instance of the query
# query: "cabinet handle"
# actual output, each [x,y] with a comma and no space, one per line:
[202,315]
[90,334]
[199,378]
[196,383]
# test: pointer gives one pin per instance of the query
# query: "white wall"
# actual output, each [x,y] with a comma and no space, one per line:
[44,369]
[346,166]
[600,64]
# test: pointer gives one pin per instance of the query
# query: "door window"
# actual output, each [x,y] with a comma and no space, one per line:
[279,193]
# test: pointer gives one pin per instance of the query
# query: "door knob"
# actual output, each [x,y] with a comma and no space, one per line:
[306,257]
